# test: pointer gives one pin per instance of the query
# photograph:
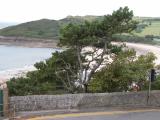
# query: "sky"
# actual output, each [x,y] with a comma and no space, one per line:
[29,10]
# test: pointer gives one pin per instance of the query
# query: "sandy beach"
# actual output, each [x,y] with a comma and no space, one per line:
[18,72]
[142,49]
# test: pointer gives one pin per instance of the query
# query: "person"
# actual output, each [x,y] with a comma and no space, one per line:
[135,87]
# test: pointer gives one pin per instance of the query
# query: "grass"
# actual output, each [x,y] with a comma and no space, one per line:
[43,28]
[50,28]
[153,29]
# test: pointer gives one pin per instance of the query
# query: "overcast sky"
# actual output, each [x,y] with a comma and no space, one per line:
[28,10]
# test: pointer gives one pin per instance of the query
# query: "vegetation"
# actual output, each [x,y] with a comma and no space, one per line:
[46,28]
[151,27]
[90,33]
[45,79]
[122,72]
[102,68]
[135,39]
[43,28]
[37,29]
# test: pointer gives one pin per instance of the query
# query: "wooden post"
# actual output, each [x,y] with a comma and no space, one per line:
[5,102]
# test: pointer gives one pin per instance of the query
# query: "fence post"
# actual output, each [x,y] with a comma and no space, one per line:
[5,102]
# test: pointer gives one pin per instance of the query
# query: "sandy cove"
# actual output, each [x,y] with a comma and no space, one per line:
[142,49]
[18,72]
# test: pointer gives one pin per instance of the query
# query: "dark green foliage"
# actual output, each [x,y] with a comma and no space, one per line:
[44,80]
[96,33]
[79,34]
[132,38]
[156,84]
[119,22]
[124,70]
[89,33]
[140,27]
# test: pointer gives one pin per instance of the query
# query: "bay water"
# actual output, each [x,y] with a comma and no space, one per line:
[12,57]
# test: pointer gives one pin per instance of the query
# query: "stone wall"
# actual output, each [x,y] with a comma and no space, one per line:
[68,101]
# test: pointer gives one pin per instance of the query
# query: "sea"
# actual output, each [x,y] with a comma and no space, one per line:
[13,57]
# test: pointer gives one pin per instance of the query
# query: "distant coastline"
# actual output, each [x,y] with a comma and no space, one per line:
[28,42]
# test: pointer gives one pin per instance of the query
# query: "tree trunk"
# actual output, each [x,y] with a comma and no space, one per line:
[85,88]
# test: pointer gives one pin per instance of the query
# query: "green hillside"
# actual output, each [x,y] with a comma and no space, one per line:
[43,28]
[46,28]
[152,29]
[37,29]
[148,26]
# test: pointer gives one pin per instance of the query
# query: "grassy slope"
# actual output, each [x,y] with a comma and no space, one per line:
[46,28]
[37,29]
[153,29]
[43,28]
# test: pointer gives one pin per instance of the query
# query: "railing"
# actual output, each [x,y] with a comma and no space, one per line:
[8,113]
[6,110]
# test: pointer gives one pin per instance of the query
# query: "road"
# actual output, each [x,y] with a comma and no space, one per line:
[149,114]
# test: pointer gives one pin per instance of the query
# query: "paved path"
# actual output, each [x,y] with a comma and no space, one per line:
[149,114]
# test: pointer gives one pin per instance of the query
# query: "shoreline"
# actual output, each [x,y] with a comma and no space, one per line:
[16,72]
[6,75]
[28,42]
[142,49]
